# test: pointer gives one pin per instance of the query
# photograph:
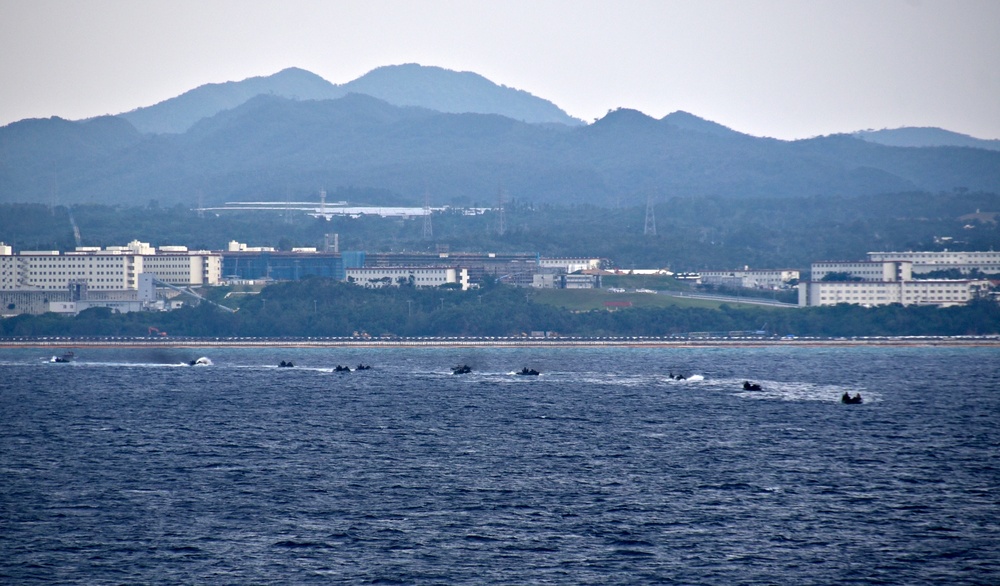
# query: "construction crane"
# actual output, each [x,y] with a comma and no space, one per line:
[155,332]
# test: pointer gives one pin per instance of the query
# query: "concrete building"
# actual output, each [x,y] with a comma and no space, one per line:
[114,268]
[76,297]
[872,293]
[47,280]
[117,306]
[882,282]
[873,283]
[751,278]
[569,265]
[580,281]
[510,268]
[924,262]
[257,265]
[377,277]
[864,270]
[563,281]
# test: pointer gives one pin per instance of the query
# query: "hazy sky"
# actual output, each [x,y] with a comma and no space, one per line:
[781,68]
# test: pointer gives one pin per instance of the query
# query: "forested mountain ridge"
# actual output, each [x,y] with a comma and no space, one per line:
[273,148]
[178,114]
[410,84]
[693,233]
[455,92]
[925,137]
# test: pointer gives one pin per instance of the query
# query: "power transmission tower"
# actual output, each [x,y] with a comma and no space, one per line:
[650,229]
[428,227]
[501,219]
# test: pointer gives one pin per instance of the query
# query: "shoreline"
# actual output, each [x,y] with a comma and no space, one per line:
[567,342]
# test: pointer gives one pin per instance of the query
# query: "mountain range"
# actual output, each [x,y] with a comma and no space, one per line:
[456,136]
[924,137]
[401,85]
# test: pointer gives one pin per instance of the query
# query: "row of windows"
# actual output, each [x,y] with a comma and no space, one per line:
[73,273]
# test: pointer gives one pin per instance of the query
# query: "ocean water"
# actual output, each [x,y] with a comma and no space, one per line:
[129,467]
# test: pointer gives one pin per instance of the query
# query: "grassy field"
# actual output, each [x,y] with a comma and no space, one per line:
[588,299]
[655,282]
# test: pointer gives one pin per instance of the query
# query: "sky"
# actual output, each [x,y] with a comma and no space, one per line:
[781,68]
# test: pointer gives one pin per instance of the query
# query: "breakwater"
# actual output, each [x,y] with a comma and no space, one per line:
[479,342]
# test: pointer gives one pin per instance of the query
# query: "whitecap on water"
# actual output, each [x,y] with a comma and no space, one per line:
[798,391]
[694,378]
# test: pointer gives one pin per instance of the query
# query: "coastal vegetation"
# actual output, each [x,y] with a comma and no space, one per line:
[692,233]
[322,307]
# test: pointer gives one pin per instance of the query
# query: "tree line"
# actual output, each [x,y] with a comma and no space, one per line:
[692,233]
[322,307]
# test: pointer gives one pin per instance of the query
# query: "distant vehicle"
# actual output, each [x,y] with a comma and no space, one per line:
[616,290]
[644,291]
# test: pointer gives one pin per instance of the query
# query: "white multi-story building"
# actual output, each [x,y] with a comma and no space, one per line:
[184,268]
[114,268]
[871,293]
[865,270]
[419,276]
[881,283]
[751,278]
[570,265]
[925,262]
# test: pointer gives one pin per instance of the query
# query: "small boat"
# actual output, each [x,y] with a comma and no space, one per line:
[528,372]
[673,376]
[364,367]
[203,361]
[342,369]
[463,369]
[847,399]
[284,364]
[66,357]
[749,386]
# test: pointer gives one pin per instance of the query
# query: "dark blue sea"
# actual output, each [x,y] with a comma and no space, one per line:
[127,466]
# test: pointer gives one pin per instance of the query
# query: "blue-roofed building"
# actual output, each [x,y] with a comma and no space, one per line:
[281,265]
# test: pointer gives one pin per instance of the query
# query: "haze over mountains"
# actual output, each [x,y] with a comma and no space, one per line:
[458,137]
[401,85]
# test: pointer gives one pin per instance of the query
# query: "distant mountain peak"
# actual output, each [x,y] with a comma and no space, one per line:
[620,116]
[456,92]
[913,136]
[178,114]
[688,121]
[409,84]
